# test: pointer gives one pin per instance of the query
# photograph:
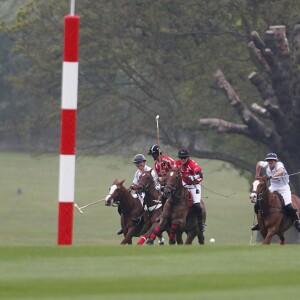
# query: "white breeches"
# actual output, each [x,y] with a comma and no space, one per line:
[193,189]
[285,192]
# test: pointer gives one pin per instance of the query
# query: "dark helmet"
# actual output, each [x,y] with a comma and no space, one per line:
[271,156]
[155,150]
[183,153]
[139,158]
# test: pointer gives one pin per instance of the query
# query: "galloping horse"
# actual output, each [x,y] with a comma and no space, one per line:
[152,207]
[178,206]
[271,217]
[131,208]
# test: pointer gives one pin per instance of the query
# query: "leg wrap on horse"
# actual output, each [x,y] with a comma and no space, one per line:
[173,231]
[142,240]
[156,233]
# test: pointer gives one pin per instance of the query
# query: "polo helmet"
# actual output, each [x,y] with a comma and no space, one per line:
[271,156]
[183,153]
[138,158]
[155,150]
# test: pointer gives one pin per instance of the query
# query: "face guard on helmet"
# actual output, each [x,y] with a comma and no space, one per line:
[183,153]
[155,151]
[138,158]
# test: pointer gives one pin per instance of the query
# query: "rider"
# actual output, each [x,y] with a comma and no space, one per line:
[162,165]
[140,161]
[279,180]
[192,176]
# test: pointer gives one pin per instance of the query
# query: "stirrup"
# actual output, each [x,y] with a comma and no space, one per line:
[255,227]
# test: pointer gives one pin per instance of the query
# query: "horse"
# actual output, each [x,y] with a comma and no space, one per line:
[271,216]
[152,206]
[178,207]
[132,209]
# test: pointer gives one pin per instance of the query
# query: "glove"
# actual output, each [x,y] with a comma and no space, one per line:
[191,178]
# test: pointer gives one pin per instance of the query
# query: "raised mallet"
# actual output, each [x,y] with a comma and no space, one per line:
[84,206]
[157,129]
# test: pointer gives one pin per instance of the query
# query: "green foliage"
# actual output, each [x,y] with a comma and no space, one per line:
[137,59]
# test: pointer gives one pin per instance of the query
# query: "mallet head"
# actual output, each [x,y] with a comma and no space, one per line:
[78,208]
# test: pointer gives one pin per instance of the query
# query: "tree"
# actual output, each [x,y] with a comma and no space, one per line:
[276,123]
[139,59]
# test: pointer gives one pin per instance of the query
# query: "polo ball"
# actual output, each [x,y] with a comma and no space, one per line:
[212,240]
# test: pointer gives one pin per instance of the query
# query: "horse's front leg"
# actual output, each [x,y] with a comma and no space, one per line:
[152,223]
[129,236]
[161,226]
[270,233]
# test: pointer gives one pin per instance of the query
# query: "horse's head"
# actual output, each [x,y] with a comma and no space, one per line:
[145,181]
[114,191]
[259,187]
[173,181]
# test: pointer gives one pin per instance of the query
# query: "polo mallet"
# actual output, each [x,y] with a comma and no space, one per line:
[157,130]
[251,238]
[84,206]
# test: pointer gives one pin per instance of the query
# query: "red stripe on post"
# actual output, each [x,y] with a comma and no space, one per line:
[65,223]
[68,131]
[71,38]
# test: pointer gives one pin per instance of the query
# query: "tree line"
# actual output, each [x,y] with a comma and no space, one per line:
[139,59]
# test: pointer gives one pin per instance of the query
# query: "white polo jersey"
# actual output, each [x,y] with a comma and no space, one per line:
[279,181]
[136,178]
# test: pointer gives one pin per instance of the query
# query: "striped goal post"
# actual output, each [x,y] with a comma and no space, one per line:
[68,127]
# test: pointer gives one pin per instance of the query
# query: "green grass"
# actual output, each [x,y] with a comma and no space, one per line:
[180,272]
[32,266]
[30,218]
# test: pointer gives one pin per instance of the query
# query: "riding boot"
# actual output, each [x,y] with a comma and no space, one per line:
[163,198]
[198,212]
[255,227]
[120,231]
[291,211]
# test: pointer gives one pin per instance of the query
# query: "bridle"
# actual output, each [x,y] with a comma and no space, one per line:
[261,194]
[173,187]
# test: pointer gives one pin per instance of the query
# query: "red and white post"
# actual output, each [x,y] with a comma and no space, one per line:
[68,127]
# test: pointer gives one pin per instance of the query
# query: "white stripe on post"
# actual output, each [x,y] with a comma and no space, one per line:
[67,183]
[69,85]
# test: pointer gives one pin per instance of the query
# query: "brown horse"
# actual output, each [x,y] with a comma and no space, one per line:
[132,209]
[272,218]
[152,207]
[178,208]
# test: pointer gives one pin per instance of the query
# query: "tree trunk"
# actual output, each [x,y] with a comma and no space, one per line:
[276,121]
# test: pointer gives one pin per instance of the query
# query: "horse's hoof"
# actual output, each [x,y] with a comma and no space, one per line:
[149,242]
[161,242]
[172,242]
[282,243]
